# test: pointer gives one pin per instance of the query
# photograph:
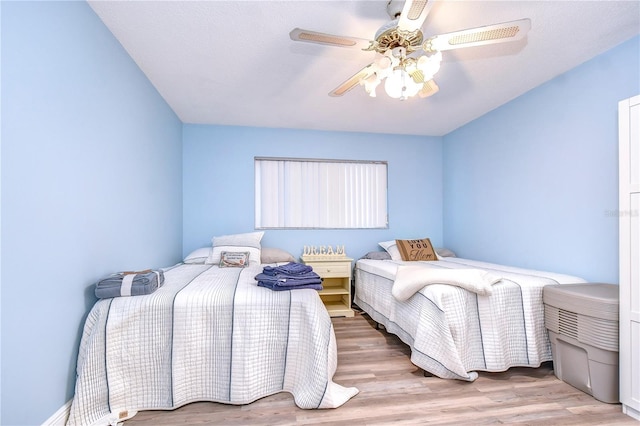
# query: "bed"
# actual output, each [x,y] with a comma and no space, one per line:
[456,329]
[209,333]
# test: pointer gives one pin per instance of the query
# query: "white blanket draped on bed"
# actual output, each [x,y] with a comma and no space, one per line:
[208,334]
[452,331]
[412,278]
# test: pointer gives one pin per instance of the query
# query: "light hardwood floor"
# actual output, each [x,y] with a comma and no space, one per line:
[393,391]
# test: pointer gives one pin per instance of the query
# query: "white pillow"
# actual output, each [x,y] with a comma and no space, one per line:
[236,242]
[392,248]
[198,256]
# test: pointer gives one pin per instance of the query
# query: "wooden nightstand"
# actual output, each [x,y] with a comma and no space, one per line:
[336,292]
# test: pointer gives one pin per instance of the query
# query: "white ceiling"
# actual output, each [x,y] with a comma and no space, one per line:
[233,63]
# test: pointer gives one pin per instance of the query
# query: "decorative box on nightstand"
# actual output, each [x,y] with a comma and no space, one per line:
[336,282]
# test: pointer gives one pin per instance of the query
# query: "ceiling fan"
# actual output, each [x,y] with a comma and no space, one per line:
[407,62]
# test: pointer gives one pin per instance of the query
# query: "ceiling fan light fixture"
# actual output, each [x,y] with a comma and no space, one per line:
[400,85]
[404,76]
[407,62]
[370,84]
[384,62]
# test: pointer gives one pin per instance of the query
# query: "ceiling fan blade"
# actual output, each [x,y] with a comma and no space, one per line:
[298,34]
[428,88]
[498,33]
[413,14]
[353,81]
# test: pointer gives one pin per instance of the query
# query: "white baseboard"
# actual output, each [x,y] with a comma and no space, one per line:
[59,418]
[631,412]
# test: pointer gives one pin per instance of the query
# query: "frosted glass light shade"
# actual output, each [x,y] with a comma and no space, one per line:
[400,85]
[370,84]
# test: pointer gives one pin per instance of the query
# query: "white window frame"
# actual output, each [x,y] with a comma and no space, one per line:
[310,193]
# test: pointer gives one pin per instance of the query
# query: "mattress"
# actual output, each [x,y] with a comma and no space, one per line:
[454,332]
[208,334]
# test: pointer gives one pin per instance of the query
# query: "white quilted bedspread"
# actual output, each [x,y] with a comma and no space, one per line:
[208,334]
[454,332]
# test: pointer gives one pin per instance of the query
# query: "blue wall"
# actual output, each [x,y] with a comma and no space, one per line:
[91,184]
[218,184]
[535,182]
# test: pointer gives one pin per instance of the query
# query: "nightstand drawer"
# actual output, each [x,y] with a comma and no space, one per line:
[329,270]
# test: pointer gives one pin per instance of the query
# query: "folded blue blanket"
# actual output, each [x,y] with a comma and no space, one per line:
[289,282]
[286,287]
[130,283]
[289,277]
[291,268]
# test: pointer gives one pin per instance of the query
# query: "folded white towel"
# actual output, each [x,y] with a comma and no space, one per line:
[412,278]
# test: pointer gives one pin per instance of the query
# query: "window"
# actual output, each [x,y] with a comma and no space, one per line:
[313,193]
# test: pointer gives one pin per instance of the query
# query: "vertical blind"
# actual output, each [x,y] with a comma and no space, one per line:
[312,193]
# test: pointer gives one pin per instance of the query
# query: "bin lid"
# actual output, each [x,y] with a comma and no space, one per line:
[597,300]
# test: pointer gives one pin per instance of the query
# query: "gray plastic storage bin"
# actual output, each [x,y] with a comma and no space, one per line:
[582,320]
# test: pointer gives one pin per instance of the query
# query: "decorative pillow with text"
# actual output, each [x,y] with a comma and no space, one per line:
[234,259]
[416,249]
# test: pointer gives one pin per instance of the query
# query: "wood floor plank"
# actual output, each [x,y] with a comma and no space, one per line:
[393,391]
